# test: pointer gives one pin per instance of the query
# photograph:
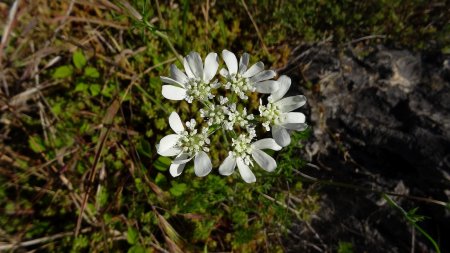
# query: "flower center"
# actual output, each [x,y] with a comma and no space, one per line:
[240,118]
[215,114]
[242,148]
[270,113]
[239,85]
[197,89]
[191,141]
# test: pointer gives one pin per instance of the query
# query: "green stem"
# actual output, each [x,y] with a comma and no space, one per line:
[225,137]
[413,222]
[152,99]
[169,43]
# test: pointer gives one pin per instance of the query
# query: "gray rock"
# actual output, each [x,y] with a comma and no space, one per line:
[380,118]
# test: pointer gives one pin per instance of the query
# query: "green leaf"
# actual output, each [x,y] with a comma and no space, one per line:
[36,144]
[125,96]
[102,197]
[139,184]
[91,72]
[160,179]
[132,236]
[108,91]
[178,189]
[62,72]
[57,108]
[136,249]
[162,163]
[95,89]
[345,247]
[144,148]
[81,87]
[80,242]
[78,59]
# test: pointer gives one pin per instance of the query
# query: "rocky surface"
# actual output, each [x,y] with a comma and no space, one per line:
[380,120]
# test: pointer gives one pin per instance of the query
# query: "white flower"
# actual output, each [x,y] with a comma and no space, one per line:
[186,145]
[236,117]
[196,83]
[277,113]
[216,114]
[242,154]
[241,80]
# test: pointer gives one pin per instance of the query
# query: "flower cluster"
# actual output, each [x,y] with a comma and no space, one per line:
[228,112]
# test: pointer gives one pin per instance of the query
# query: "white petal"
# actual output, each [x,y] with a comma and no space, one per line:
[196,64]
[223,72]
[245,171]
[291,103]
[230,61]
[211,66]
[167,143]
[285,83]
[182,158]
[228,165]
[267,143]
[171,81]
[254,69]
[295,126]
[202,164]
[215,84]
[175,123]
[176,169]
[187,68]
[170,152]
[243,63]
[173,93]
[264,160]
[281,136]
[267,86]
[177,74]
[263,75]
[292,117]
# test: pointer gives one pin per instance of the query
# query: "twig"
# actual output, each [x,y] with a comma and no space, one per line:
[281,204]
[12,246]
[66,16]
[366,38]
[256,28]
[315,234]
[360,188]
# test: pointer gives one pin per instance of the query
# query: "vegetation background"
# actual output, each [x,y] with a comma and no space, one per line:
[81,111]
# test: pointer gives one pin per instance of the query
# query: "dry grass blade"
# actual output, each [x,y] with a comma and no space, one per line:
[107,121]
[13,246]
[172,238]
[256,28]
[8,28]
